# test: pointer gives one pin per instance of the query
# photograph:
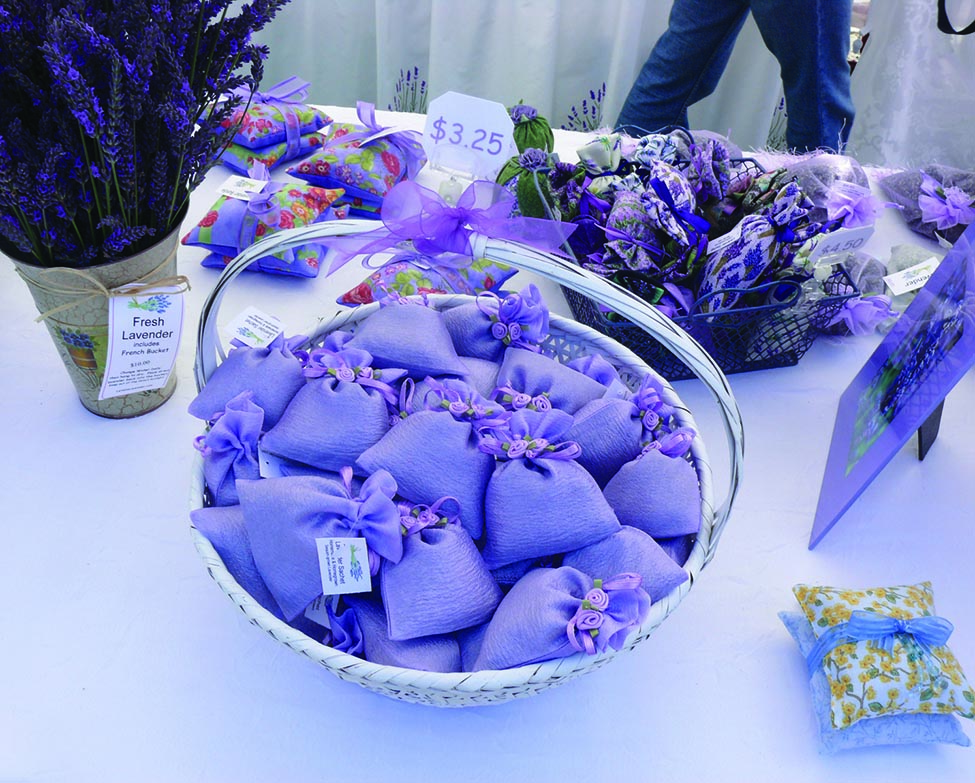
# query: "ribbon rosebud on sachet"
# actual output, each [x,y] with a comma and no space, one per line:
[944,206]
[607,613]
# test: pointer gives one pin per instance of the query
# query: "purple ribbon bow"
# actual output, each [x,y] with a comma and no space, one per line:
[261,206]
[649,403]
[374,516]
[519,319]
[923,632]
[283,96]
[412,213]
[406,141]
[945,207]
[465,403]
[584,626]
[672,444]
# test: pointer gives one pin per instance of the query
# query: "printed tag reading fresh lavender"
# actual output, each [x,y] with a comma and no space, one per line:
[254,328]
[344,563]
[143,339]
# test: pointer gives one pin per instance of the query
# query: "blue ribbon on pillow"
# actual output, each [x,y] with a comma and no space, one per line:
[925,632]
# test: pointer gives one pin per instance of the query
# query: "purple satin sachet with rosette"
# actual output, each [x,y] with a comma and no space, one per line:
[441,584]
[431,454]
[342,387]
[556,612]
[409,336]
[534,374]
[658,491]
[273,374]
[486,327]
[559,505]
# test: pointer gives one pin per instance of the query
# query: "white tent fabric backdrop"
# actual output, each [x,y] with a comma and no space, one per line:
[913,87]
[549,53]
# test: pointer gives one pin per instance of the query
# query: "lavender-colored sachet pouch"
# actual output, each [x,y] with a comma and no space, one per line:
[597,367]
[285,516]
[658,491]
[677,548]
[539,500]
[441,584]
[410,336]
[431,454]
[535,374]
[470,640]
[480,374]
[272,373]
[556,612]
[224,528]
[610,434]
[935,201]
[484,328]
[630,550]
[427,653]
[340,412]
[229,449]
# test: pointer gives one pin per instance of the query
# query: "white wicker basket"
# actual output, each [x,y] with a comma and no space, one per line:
[568,339]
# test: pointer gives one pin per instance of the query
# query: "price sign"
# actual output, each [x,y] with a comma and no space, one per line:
[840,242]
[468,134]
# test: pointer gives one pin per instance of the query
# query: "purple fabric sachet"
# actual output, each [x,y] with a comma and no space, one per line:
[427,653]
[285,516]
[656,492]
[484,328]
[555,612]
[343,387]
[441,584]
[272,373]
[229,449]
[539,500]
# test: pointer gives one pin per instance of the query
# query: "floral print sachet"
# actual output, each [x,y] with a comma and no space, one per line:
[232,225]
[903,669]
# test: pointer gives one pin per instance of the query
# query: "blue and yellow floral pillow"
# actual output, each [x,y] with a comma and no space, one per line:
[893,675]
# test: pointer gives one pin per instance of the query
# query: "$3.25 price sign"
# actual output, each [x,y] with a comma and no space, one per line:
[476,139]
[469,134]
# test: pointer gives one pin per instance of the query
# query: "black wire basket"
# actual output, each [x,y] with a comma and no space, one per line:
[756,336]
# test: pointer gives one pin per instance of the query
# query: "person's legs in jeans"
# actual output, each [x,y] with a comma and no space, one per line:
[685,64]
[811,39]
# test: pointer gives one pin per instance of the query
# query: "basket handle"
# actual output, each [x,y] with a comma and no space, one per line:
[627,304]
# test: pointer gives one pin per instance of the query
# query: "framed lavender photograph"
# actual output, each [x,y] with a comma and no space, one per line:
[902,387]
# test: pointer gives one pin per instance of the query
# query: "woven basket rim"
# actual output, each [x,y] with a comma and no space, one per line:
[491,685]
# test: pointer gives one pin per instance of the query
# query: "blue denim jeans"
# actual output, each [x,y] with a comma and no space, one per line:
[809,38]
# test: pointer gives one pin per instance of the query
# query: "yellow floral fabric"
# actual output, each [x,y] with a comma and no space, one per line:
[867,682]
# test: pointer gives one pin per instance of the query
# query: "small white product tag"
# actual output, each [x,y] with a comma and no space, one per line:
[719,244]
[241,187]
[912,278]
[840,242]
[268,465]
[254,327]
[344,563]
[851,189]
[468,134]
[317,610]
[143,339]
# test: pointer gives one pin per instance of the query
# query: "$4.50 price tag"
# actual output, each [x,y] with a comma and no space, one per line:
[468,134]
[840,242]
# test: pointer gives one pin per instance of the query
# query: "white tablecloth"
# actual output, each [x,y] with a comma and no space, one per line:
[121,660]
